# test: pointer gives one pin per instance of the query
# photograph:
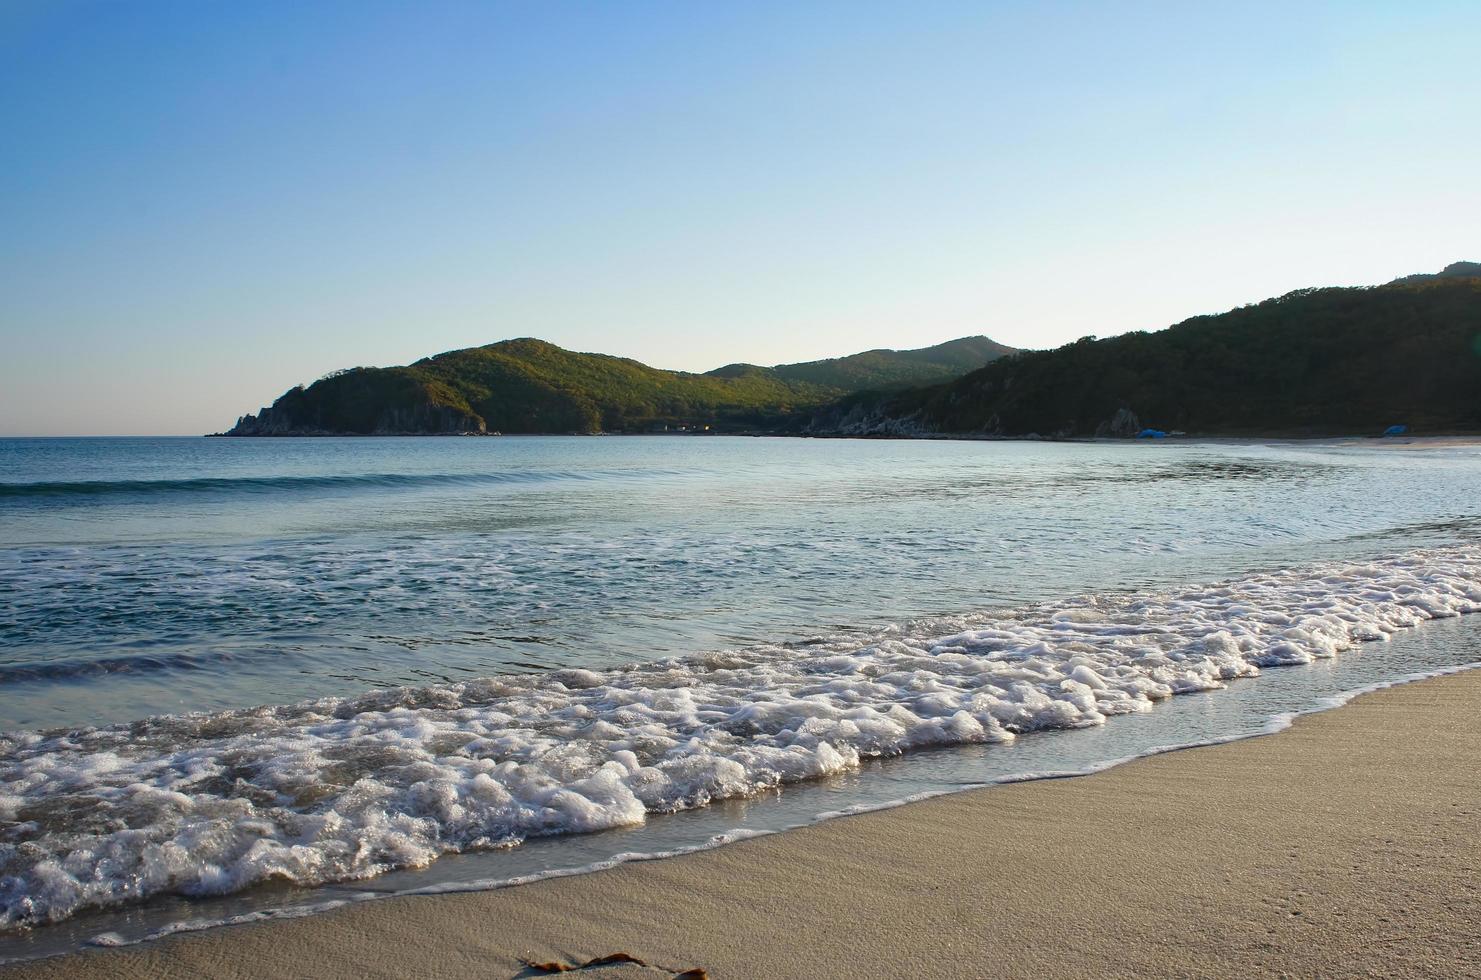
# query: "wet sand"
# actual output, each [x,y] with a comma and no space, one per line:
[1349,845]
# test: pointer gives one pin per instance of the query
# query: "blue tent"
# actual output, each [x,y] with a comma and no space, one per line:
[1396,430]
[1151,434]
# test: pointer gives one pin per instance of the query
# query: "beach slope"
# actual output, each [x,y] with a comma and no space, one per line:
[1345,846]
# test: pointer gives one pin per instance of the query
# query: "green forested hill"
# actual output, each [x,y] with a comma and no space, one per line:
[1315,361]
[881,369]
[528,385]
[1455,270]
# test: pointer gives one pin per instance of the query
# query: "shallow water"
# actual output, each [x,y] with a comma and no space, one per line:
[830,603]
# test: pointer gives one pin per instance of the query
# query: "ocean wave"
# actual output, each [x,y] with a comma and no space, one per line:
[346,788]
[90,489]
[81,668]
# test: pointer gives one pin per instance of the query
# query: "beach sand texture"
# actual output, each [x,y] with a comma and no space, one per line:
[1349,845]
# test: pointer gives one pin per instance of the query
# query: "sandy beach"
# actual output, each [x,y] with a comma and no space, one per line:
[1345,846]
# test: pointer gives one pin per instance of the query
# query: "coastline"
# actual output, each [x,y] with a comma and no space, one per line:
[1344,845]
[1439,440]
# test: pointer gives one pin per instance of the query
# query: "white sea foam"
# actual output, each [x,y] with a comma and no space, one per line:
[342,789]
[1276,724]
[113,939]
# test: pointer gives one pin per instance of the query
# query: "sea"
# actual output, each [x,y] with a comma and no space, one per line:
[256,678]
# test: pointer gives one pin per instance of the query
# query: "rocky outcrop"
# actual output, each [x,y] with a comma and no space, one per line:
[1123,425]
[863,418]
[295,415]
[267,422]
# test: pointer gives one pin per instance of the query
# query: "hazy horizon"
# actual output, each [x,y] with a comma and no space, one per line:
[201,206]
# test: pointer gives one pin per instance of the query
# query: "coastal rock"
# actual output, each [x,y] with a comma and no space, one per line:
[426,418]
[1123,425]
[864,418]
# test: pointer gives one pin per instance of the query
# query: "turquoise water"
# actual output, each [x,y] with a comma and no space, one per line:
[239,674]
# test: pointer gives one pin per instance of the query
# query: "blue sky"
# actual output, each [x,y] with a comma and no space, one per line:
[202,204]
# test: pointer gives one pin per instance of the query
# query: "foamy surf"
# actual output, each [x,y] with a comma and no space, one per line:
[344,789]
[1275,724]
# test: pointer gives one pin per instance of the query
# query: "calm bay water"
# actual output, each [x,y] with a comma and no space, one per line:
[829,603]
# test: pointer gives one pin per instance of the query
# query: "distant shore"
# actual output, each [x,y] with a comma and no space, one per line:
[1345,846]
[1403,441]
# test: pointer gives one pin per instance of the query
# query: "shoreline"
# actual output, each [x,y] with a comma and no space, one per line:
[1411,441]
[1283,853]
[1426,441]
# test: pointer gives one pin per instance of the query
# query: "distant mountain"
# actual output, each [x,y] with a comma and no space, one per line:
[881,369]
[530,386]
[1312,362]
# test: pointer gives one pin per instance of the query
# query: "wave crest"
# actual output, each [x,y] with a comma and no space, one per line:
[89,489]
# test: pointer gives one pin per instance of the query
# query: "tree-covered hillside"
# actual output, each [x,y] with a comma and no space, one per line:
[881,369]
[1315,361]
[528,385]
[1455,270]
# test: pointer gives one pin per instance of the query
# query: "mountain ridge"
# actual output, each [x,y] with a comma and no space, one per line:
[527,385]
[1455,270]
[1314,362]
[875,368]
